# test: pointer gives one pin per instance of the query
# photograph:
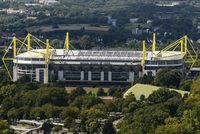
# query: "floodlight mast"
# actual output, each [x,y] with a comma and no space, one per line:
[29,42]
[143,56]
[46,80]
[67,41]
[154,43]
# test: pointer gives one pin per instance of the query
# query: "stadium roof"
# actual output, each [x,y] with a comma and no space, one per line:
[146,90]
[98,55]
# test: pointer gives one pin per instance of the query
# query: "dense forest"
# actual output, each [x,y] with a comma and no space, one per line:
[164,111]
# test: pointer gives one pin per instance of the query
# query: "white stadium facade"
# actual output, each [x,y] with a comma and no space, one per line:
[48,64]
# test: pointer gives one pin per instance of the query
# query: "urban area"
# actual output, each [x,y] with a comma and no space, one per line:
[99,67]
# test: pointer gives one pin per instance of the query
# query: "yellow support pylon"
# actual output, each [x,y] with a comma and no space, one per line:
[181,48]
[185,41]
[47,61]
[67,41]
[187,50]
[154,43]
[144,53]
[14,46]
[29,41]
[26,43]
[47,51]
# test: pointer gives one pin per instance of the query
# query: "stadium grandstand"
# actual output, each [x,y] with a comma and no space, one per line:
[43,63]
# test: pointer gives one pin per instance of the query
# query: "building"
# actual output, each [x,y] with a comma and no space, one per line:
[112,21]
[13,11]
[140,31]
[133,20]
[168,4]
[49,2]
[50,64]
[142,89]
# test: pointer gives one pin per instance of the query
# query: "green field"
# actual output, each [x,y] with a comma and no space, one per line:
[70,27]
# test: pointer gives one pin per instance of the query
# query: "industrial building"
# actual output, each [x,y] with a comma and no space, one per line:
[46,64]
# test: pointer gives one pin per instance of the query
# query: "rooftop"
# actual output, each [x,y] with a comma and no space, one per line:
[146,90]
[98,55]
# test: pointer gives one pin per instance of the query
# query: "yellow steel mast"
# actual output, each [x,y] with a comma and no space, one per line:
[185,41]
[14,46]
[47,61]
[154,43]
[29,42]
[67,41]
[144,53]
[47,52]
[181,48]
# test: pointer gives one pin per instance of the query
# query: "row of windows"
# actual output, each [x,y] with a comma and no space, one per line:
[115,76]
[167,62]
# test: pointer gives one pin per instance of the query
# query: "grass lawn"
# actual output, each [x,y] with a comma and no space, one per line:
[72,27]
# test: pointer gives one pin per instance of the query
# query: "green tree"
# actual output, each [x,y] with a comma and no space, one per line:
[195,89]
[37,112]
[130,104]
[85,41]
[57,44]
[57,129]
[100,92]
[69,122]
[47,127]
[144,120]
[188,124]
[108,128]
[162,95]
[23,79]
[173,105]
[23,87]
[77,92]
[86,101]
[4,78]
[7,103]
[93,113]
[20,113]
[185,85]
[116,105]
[51,111]
[70,112]
[112,90]
[4,127]
[93,126]
[116,91]
[147,79]
[53,95]
[168,77]
[7,91]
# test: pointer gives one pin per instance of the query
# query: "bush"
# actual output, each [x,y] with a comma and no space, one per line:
[101,92]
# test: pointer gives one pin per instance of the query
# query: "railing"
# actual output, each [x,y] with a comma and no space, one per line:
[161,62]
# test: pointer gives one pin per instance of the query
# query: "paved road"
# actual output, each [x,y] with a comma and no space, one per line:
[28,130]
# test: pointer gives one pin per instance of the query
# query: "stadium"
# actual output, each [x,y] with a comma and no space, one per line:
[42,63]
